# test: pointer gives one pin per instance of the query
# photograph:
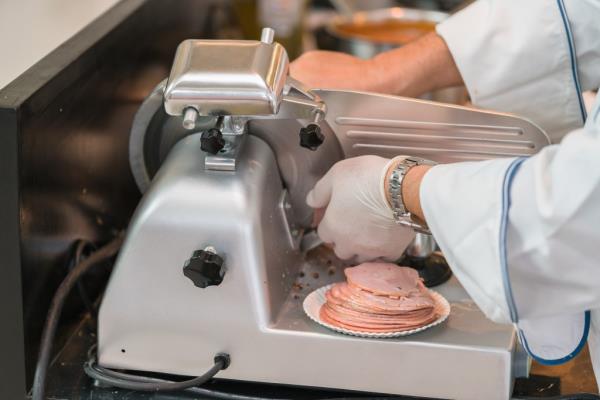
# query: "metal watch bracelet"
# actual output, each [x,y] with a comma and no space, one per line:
[401,214]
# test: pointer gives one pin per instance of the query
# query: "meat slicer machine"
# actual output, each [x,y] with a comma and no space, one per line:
[220,253]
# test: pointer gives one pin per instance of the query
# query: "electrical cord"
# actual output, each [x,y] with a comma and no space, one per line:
[131,382]
[83,249]
[127,381]
[136,382]
[56,306]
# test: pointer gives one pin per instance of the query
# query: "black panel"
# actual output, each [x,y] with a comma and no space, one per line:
[12,364]
[64,172]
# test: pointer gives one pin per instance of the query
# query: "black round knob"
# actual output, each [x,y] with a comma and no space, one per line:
[311,137]
[212,141]
[204,268]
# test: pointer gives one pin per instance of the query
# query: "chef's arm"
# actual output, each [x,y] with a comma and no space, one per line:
[533,58]
[530,58]
[419,67]
[540,215]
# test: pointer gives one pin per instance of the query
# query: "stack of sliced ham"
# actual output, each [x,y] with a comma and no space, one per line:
[379,297]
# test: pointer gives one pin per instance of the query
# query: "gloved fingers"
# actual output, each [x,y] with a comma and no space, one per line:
[362,258]
[324,232]
[403,236]
[393,255]
[386,251]
[318,215]
[341,248]
[320,195]
[343,252]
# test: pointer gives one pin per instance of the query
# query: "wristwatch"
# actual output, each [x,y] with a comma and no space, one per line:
[401,214]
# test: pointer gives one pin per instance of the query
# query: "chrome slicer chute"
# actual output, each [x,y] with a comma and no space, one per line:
[220,252]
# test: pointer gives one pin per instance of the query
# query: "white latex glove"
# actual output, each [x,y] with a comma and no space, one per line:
[358,220]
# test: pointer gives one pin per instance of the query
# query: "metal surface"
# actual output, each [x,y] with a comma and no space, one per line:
[300,168]
[267,35]
[67,380]
[225,159]
[190,116]
[422,246]
[226,77]
[293,231]
[388,126]
[153,319]
[154,133]
[362,123]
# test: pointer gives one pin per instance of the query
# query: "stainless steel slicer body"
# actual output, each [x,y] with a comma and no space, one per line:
[213,257]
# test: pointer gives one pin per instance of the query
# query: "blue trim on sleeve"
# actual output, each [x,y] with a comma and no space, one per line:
[573,55]
[506,200]
[512,170]
[568,357]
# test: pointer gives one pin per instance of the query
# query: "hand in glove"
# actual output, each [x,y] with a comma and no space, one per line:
[358,220]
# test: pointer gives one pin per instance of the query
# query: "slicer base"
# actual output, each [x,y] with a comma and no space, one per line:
[154,319]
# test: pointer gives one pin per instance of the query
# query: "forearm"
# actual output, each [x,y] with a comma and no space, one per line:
[419,67]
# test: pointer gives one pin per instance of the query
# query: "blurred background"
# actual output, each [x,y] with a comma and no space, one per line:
[72,76]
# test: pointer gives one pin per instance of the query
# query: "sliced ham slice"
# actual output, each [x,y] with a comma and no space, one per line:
[379,297]
[364,319]
[359,326]
[383,279]
[344,292]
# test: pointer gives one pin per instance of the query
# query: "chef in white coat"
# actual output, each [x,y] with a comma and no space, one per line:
[521,234]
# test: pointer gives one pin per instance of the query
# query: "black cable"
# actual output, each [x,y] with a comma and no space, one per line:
[133,382]
[82,249]
[41,368]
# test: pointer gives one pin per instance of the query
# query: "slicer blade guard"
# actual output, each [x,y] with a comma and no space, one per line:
[367,123]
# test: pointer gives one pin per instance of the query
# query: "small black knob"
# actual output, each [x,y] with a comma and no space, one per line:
[311,137]
[204,268]
[212,141]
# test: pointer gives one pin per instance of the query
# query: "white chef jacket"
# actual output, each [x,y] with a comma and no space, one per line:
[523,235]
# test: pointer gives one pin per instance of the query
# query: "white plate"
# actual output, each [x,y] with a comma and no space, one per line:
[313,302]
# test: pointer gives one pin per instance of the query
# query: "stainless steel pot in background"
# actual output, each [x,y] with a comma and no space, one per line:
[368,33]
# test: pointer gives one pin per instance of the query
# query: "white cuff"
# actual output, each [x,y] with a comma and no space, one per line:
[515,57]
[466,227]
